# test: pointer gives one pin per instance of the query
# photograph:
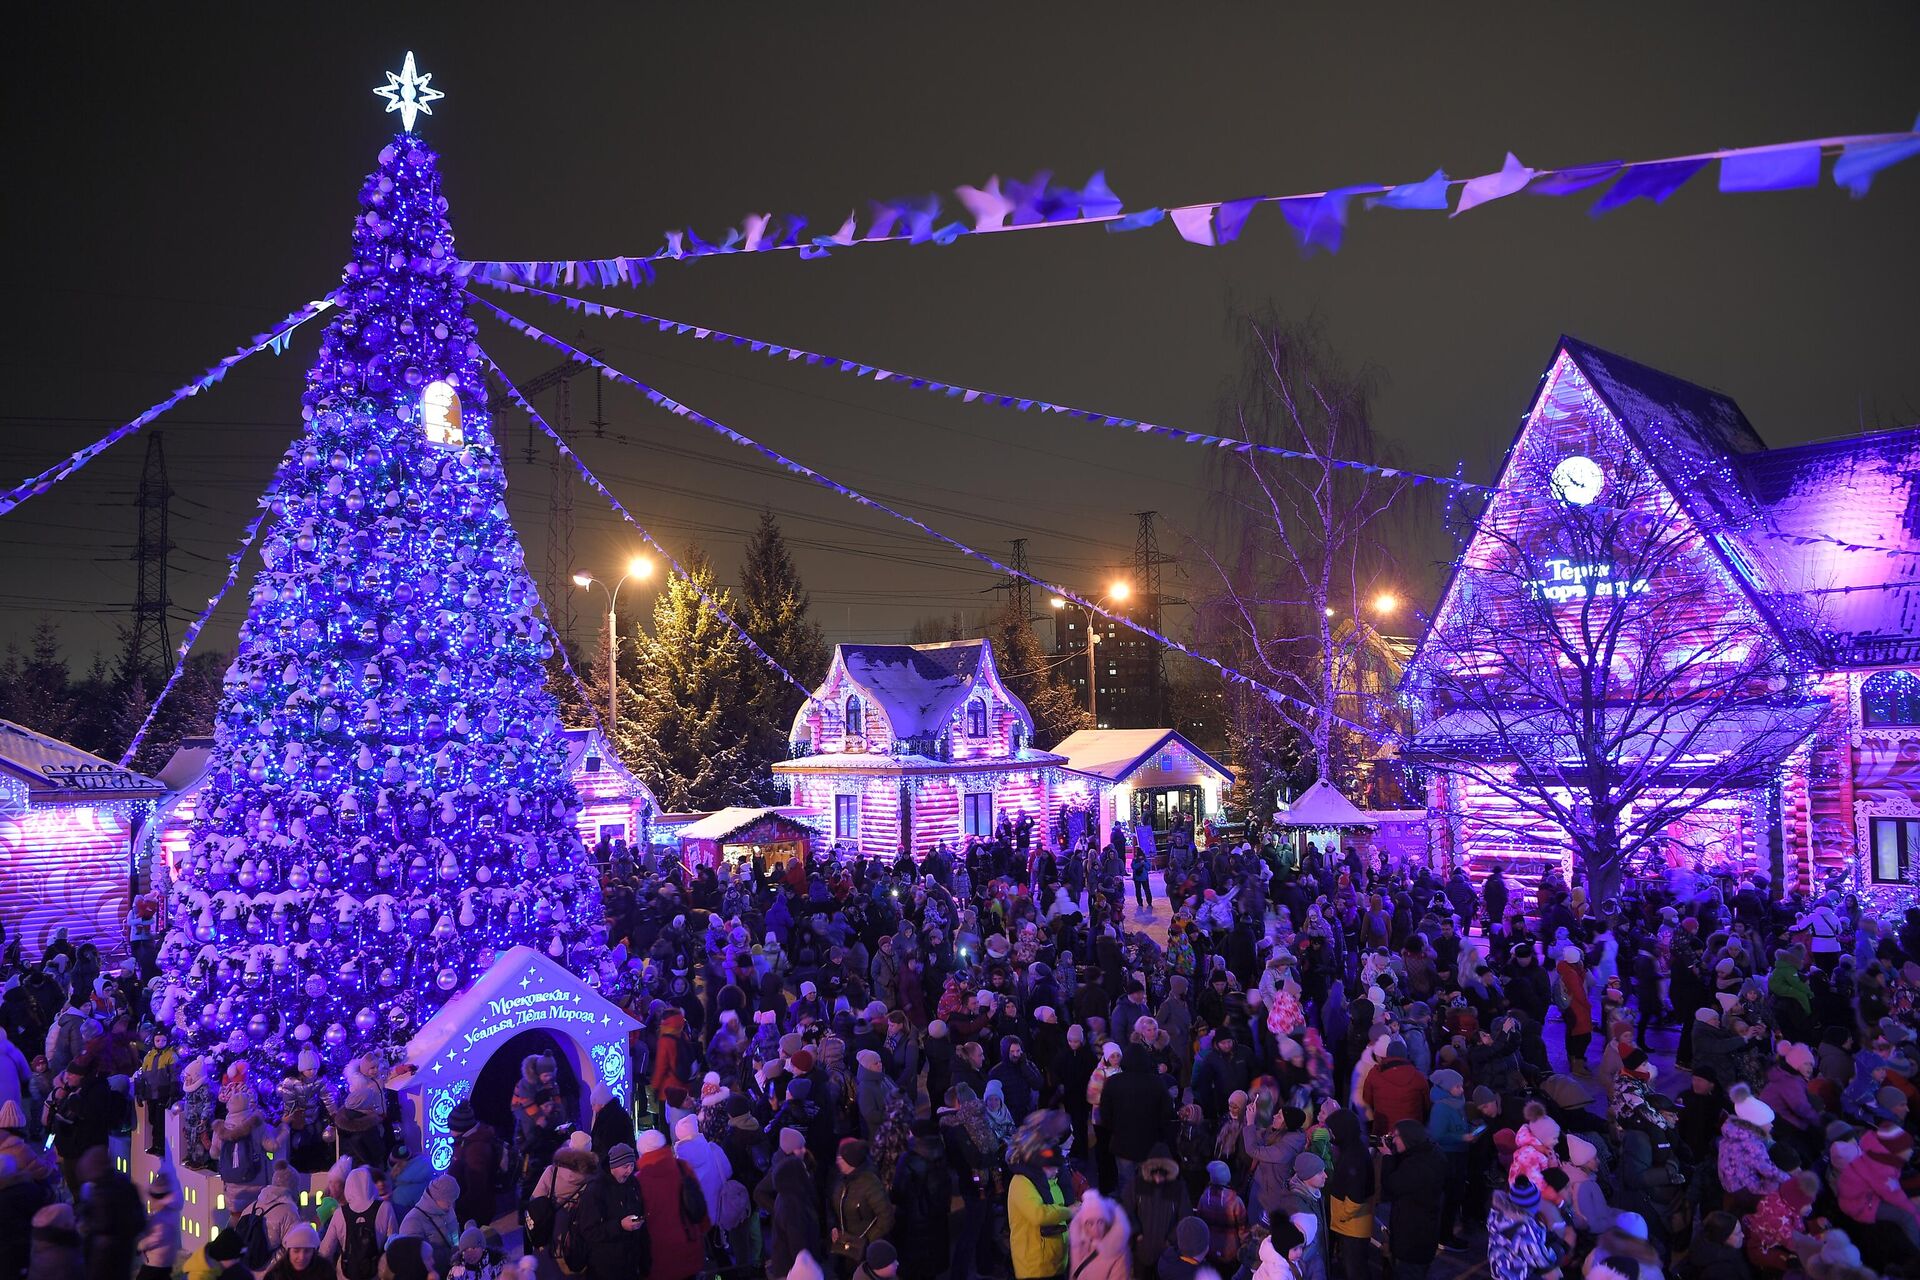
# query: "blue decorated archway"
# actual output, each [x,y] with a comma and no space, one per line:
[523,991]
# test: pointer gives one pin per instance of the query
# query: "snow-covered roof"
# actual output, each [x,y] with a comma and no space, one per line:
[59,770]
[917,685]
[1321,805]
[1864,491]
[732,820]
[1114,754]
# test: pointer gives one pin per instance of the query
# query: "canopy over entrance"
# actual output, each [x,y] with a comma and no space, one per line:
[1321,807]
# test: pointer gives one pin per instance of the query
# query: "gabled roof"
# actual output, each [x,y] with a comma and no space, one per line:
[1689,433]
[56,770]
[1863,491]
[1321,805]
[1114,754]
[916,685]
[731,821]
[533,991]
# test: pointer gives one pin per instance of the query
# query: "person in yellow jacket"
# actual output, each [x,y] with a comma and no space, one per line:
[1038,1211]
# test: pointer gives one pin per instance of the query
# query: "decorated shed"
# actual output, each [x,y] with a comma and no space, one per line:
[764,837]
[69,826]
[1155,776]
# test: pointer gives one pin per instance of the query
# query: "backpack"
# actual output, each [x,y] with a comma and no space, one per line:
[360,1251]
[735,1205]
[693,1200]
[241,1162]
[256,1251]
[570,1245]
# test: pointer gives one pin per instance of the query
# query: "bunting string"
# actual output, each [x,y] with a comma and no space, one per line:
[972,395]
[800,469]
[566,451]
[198,625]
[276,340]
[1318,219]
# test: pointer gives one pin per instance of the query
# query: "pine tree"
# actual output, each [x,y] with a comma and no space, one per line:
[690,729]
[774,610]
[1035,678]
[39,691]
[387,806]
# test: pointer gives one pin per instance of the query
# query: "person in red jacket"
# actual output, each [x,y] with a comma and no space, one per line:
[1395,1090]
[679,1245]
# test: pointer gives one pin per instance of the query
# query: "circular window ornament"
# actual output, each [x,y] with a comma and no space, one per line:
[1578,480]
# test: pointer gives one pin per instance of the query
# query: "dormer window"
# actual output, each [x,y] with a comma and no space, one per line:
[856,719]
[977,719]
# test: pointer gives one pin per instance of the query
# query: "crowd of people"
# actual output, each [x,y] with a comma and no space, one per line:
[980,1063]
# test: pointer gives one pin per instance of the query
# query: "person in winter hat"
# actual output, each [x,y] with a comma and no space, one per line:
[435,1220]
[276,1203]
[1225,1214]
[357,1229]
[1097,1240]
[1186,1253]
[679,1245]
[159,1243]
[708,1162]
[300,1257]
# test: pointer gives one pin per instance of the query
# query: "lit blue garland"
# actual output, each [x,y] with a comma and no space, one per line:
[33,486]
[513,394]
[674,406]
[972,395]
[197,625]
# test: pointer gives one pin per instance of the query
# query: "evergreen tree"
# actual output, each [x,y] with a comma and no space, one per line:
[1035,678]
[691,730]
[774,610]
[387,806]
[38,690]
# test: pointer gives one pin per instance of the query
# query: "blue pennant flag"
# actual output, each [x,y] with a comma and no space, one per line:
[1856,166]
[1567,181]
[1430,193]
[1653,182]
[1771,170]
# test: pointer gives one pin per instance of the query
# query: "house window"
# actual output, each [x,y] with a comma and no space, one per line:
[1890,698]
[979,813]
[1895,841]
[591,764]
[976,719]
[846,818]
[856,719]
[611,831]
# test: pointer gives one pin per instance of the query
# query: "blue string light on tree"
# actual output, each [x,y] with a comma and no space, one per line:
[388,807]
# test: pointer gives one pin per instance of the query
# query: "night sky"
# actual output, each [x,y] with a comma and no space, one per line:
[180,177]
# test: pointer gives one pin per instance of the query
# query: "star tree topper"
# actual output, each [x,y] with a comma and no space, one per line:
[409,93]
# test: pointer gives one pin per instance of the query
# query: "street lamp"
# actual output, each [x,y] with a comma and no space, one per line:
[1118,591]
[1386,602]
[638,567]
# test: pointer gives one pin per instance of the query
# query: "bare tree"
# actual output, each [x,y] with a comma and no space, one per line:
[1302,557]
[1597,676]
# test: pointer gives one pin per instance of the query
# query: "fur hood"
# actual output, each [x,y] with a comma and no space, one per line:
[584,1163]
[1099,1226]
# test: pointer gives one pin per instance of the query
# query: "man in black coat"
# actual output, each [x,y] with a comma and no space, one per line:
[1136,1110]
[1220,1073]
[1414,1180]
[111,1217]
[610,1217]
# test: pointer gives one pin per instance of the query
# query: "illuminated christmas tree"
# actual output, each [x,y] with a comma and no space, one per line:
[388,805]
